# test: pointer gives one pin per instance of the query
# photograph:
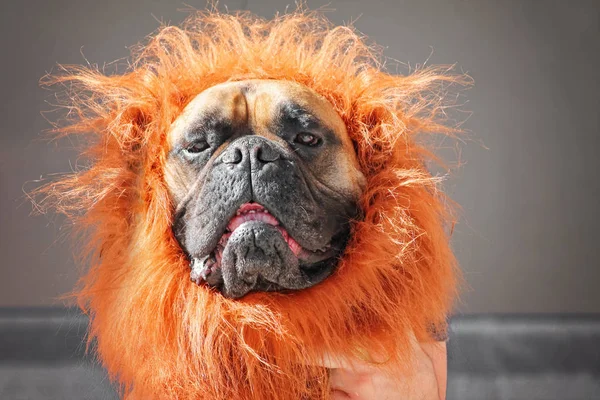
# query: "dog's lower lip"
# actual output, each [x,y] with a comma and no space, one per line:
[257,212]
[207,268]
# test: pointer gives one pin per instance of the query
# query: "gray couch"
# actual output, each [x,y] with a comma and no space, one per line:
[524,357]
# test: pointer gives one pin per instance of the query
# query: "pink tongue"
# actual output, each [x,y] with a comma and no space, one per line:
[256,216]
[259,216]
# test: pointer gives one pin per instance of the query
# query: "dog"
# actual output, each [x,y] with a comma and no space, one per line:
[257,197]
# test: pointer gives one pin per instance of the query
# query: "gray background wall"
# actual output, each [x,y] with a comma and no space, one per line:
[529,239]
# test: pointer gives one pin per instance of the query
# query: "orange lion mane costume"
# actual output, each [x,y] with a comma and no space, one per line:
[161,336]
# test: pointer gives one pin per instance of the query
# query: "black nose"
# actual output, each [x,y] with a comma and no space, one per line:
[253,149]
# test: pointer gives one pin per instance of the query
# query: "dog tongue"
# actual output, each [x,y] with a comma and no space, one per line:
[253,212]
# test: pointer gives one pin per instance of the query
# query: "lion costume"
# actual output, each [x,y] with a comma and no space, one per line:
[161,336]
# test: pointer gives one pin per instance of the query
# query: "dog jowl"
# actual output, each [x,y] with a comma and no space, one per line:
[265,181]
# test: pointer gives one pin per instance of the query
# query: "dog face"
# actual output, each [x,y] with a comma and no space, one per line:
[265,181]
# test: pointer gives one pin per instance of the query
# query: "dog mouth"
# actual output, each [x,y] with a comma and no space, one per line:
[208,268]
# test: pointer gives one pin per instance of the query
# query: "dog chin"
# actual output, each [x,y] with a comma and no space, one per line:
[256,253]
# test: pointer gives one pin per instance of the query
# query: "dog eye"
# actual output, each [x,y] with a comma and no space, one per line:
[307,139]
[197,147]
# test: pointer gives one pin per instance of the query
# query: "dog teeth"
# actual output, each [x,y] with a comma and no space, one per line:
[262,210]
[198,267]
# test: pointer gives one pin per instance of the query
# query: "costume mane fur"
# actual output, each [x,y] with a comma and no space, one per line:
[161,336]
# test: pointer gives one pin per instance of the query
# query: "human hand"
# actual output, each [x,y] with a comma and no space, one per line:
[358,380]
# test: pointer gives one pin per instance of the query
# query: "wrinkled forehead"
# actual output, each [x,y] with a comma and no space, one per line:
[259,105]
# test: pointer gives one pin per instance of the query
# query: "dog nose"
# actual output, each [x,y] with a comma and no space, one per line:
[255,149]
[264,153]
